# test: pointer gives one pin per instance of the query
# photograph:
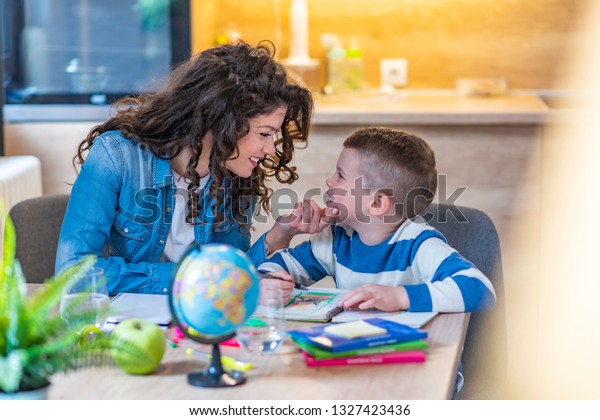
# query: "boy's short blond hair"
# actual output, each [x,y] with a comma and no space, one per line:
[399,164]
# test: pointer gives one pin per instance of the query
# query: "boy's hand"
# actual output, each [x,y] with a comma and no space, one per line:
[307,217]
[275,280]
[384,298]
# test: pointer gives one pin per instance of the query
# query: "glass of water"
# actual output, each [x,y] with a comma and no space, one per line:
[86,301]
[267,337]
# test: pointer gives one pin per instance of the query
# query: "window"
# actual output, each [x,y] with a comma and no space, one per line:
[91,51]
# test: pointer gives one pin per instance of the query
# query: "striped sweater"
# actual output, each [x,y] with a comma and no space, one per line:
[436,277]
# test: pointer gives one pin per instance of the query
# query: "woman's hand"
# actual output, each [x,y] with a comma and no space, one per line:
[384,298]
[307,217]
[276,280]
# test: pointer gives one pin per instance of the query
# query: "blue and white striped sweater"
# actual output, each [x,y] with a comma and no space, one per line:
[436,276]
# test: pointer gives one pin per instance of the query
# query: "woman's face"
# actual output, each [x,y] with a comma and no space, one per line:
[258,143]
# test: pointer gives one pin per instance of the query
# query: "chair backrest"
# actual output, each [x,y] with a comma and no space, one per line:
[37,225]
[473,234]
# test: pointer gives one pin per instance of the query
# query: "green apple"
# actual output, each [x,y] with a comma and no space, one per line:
[137,346]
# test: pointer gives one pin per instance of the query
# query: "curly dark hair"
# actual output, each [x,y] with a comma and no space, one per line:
[218,90]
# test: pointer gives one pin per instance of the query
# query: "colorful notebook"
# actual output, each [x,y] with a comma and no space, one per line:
[314,304]
[395,333]
[319,353]
[413,356]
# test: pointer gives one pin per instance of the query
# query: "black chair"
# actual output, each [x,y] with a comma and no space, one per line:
[473,234]
[37,225]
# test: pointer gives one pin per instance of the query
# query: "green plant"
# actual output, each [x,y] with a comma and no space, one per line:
[35,342]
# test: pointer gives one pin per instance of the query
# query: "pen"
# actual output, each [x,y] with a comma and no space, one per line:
[266,275]
[228,362]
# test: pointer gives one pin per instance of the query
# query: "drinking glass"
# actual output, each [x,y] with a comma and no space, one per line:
[86,301]
[266,338]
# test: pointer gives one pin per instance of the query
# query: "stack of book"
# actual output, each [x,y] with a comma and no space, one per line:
[363,342]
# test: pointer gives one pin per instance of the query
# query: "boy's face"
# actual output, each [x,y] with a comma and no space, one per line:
[347,190]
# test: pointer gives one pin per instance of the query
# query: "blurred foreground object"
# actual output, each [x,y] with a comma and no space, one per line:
[565,299]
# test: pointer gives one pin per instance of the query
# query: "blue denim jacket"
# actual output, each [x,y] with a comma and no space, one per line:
[120,210]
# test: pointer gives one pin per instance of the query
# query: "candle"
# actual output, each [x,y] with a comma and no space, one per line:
[298,30]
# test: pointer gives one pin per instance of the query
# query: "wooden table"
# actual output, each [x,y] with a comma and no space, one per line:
[284,376]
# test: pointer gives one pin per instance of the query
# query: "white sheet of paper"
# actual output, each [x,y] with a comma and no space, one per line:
[153,308]
[412,319]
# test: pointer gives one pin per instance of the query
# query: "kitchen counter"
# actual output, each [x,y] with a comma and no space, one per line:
[413,108]
[434,109]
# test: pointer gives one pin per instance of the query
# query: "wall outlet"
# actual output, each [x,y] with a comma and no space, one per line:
[394,72]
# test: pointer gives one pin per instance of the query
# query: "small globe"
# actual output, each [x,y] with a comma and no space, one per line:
[215,290]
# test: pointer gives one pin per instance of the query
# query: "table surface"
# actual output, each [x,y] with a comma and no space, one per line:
[283,375]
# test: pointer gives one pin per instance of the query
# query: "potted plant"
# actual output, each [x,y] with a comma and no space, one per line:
[35,342]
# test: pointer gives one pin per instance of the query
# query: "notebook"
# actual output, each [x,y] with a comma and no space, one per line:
[411,356]
[314,304]
[153,308]
[393,332]
[320,353]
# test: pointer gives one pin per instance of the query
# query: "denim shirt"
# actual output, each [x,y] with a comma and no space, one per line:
[121,209]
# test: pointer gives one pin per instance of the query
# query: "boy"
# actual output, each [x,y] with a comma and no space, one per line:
[379,248]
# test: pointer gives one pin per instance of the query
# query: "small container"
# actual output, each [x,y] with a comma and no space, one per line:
[488,86]
[336,70]
[354,73]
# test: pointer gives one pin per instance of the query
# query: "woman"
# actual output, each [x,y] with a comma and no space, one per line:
[187,165]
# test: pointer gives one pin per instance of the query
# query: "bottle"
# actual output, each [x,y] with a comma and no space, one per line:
[354,74]
[336,70]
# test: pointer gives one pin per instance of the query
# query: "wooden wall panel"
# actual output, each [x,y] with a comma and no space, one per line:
[524,41]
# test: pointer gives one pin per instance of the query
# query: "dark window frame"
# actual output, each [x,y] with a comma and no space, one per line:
[180,44]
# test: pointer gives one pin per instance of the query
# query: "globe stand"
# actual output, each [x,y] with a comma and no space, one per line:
[211,267]
[215,376]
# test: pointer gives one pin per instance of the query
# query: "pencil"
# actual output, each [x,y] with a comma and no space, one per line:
[266,275]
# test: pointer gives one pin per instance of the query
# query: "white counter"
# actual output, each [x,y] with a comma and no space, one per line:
[415,109]
[365,109]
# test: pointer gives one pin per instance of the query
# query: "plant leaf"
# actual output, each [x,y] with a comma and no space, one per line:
[11,371]
[34,341]
[9,247]
[11,293]
[45,299]
[17,324]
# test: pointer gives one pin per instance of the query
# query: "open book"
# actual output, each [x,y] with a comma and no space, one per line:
[314,304]
[320,305]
